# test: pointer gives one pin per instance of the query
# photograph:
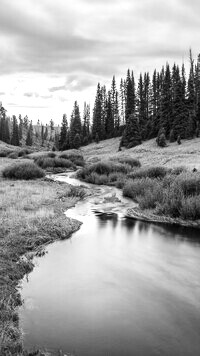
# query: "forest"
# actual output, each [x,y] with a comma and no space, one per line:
[165,106]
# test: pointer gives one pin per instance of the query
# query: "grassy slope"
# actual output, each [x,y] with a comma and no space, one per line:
[30,217]
[187,154]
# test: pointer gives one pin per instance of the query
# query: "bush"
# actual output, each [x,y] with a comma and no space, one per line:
[149,172]
[143,187]
[5,152]
[190,208]
[76,192]
[189,183]
[13,155]
[74,156]
[133,162]
[23,170]
[24,151]
[56,162]
[51,154]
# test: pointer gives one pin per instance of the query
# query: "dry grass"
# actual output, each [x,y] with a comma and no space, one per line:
[30,217]
[174,155]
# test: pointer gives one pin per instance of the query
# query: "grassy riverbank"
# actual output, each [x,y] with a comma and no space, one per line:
[31,216]
[164,192]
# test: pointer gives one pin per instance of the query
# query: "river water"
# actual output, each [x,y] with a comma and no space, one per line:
[118,287]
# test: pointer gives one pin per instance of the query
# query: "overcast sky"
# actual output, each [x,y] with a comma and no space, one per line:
[54,52]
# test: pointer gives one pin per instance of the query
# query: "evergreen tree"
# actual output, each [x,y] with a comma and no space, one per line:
[29,137]
[75,124]
[42,135]
[20,127]
[166,102]
[109,125]
[97,114]
[86,124]
[131,136]
[15,132]
[179,109]
[77,141]
[63,134]
[130,96]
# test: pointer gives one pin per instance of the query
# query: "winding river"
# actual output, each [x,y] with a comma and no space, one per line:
[118,287]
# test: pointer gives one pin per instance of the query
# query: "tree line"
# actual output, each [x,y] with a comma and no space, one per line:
[165,105]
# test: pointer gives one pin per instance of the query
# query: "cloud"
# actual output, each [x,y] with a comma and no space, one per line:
[71,45]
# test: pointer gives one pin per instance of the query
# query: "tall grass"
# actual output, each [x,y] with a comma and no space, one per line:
[149,172]
[49,162]
[73,155]
[133,162]
[23,170]
[175,196]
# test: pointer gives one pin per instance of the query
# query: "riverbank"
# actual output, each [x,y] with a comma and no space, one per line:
[148,216]
[32,216]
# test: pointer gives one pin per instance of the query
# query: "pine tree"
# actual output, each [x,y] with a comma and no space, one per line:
[77,141]
[130,96]
[75,124]
[20,127]
[179,109]
[131,136]
[109,125]
[97,114]
[15,132]
[63,134]
[29,137]
[42,135]
[86,124]
[166,102]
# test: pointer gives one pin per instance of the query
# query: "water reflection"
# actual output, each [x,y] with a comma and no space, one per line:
[118,287]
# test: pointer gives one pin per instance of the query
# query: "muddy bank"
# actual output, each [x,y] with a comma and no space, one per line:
[32,216]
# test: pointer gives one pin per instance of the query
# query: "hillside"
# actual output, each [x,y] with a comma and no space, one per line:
[186,154]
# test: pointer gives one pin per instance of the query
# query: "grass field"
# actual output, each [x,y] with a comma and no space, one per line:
[174,155]
[31,216]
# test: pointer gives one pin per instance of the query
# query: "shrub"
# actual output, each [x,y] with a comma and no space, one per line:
[5,152]
[178,170]
[150,172]
[24,151]
[171,201]
[13,155]
[189,183]
[76,192]
[56,162]
[139,187]
[190,208]
[23,170]
[74,156]
[133,162]
[51,154]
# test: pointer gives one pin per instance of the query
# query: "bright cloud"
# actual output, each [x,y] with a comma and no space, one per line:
[55,52]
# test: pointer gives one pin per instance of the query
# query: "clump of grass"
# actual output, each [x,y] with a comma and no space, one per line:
[5,152]
[102,168]
[74,156]
[77,192]
[24,152]
[23,170]
[149,172]
[13,155]
[56,162]
[133,162]
[51,154]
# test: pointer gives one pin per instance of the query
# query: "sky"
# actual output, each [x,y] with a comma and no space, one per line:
[54,52]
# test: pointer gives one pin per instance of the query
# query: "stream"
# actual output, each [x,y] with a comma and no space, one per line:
[118,287]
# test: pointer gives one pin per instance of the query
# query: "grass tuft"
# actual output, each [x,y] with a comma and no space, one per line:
[23,170]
